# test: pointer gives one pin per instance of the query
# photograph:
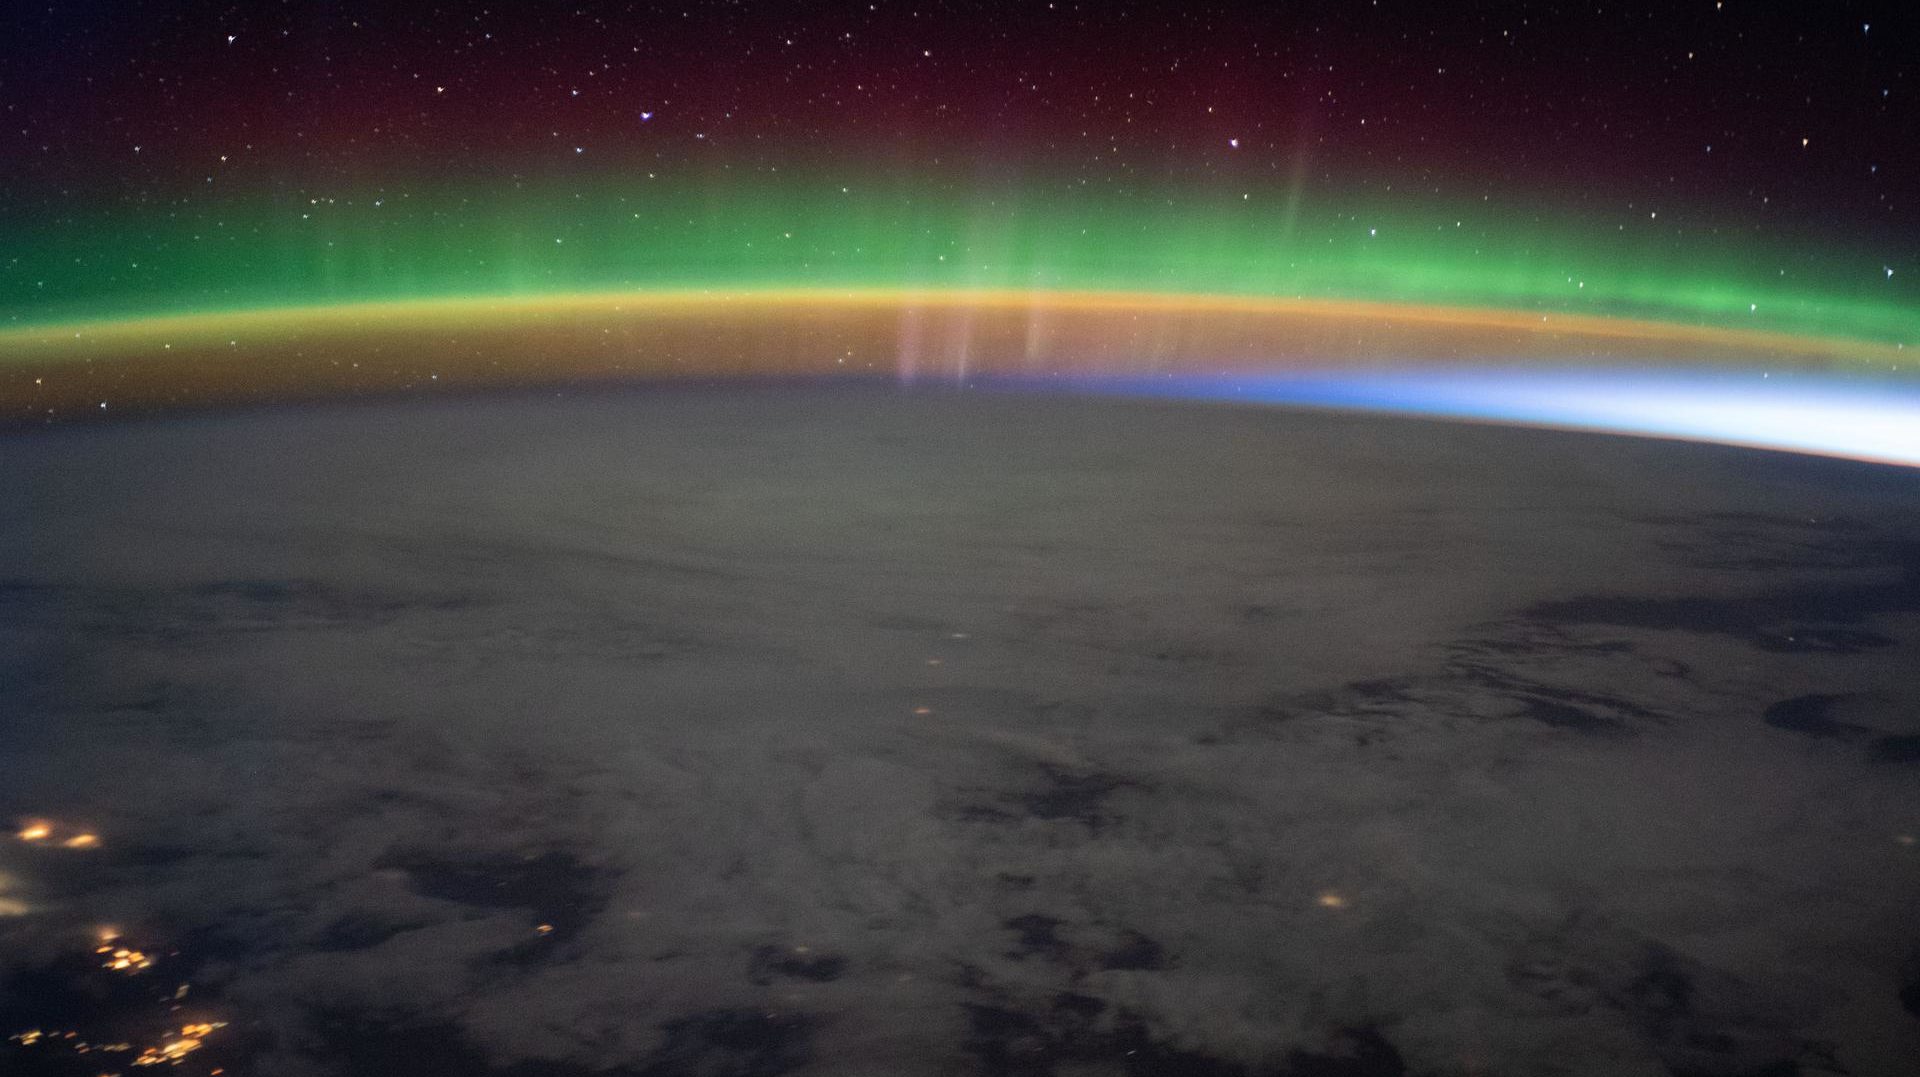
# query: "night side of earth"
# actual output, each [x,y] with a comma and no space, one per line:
[857,730]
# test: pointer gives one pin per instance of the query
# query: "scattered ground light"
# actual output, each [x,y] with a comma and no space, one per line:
[10,906]
[923,710]
[1331,900]
[1905,839]
[45,831]
[121,959]
[171,1051]
[115,1024]
[191,1039]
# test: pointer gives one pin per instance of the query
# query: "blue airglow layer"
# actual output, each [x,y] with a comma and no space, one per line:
[1856,418]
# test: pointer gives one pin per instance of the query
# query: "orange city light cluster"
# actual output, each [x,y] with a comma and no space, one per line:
[191,1039]
[47,832]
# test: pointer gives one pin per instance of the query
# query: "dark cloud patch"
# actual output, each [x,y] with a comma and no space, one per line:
[557,890]
[1565,716]
[1828,640]
[1810,716]
[1660,995]
[1752,542]
[219,607]
[368,1043]
[1082,949]
[1077,796]
[1910,985]
[1135,952]
[1350,1052]
[732,1043]
[1058,793]
[770,963]
[1011,1043]
[349,1045]
[358,932]
[1895,749]
[1073,1033]
[1036,936]
[718,1043]
[1701,1026]
[1505,670]
[1386,690]
[1520,639]
[1697,1019]
[1583,710]
[1782,620]
[1815,716]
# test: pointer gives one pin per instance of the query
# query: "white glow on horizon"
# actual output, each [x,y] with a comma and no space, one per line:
[1826,415]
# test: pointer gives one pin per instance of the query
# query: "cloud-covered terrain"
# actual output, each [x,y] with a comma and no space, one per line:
[757,732]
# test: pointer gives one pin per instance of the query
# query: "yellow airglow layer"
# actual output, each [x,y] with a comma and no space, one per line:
[468,312]
[106,369]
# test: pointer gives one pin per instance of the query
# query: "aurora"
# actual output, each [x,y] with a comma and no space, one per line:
[446,288]
[239,252]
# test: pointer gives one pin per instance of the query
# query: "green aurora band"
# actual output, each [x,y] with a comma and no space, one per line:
[520,238]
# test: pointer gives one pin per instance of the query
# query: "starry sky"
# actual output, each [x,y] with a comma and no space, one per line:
[1710,163]
[1730,116]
